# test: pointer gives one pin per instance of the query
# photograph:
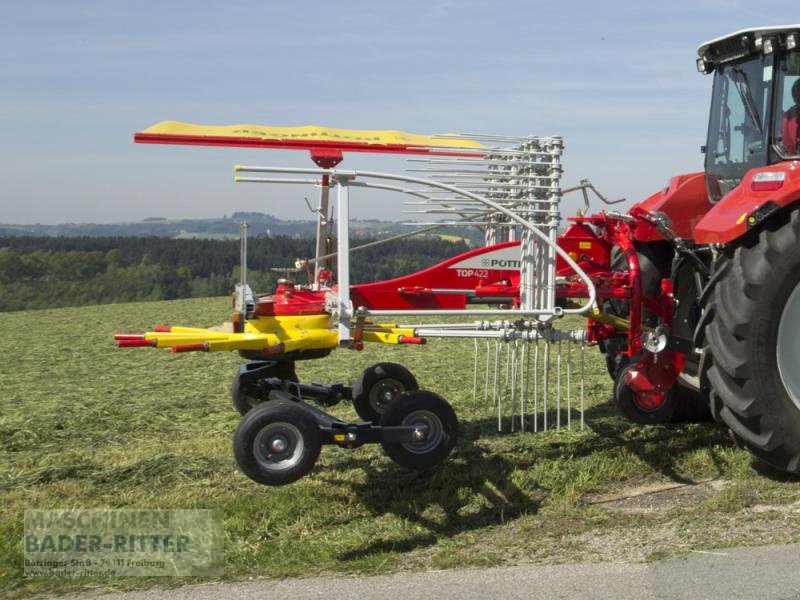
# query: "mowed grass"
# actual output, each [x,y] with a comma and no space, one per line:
[84,424]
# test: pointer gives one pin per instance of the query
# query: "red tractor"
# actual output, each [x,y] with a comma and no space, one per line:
[725,245]
[693,294]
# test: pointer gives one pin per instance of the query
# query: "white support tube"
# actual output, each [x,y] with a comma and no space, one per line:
[314,182]
[344,306]
[455,312]
[552,335]
[322,224]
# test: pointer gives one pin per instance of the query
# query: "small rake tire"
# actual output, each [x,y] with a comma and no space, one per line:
[378,386]
[749,306]
[432,413]
[276,443]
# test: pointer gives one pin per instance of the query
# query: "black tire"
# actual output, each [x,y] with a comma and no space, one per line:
[655,259]
[634,409]
[431,412]
[745,311]
[691,405]
[276,443]
[612,347]
[655,263]
[244,397]
[378,386]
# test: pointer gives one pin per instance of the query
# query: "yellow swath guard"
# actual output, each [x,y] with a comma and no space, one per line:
[309,133]
[271,335]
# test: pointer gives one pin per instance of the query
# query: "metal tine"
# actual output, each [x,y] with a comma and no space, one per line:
[443,211]
[505,387]
[569,381]
[496,368]
[491,170]
[502,184]
[486,174]
[432,195]
[475,380]
[513,350]
[510,173]
[488,152]
[448,210]
[546,381]
[558,387]
[475,210]
[488,160]
[523,383]
[520,364]
[583,352]
[452,200]
[486,378]
[488,178]
[443,222]
[508,202]
[510,152]
[438,201]
[514,190]
[459,211]
[503,197]
[437,193]
[496,137]
[536,387]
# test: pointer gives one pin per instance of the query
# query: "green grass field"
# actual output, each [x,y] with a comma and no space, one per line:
[85,425]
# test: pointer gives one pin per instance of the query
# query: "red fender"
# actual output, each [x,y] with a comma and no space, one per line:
[749,203]
[684,201]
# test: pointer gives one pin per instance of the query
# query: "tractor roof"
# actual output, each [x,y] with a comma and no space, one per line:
[741,43]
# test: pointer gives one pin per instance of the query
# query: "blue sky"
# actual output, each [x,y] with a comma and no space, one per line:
[615,79]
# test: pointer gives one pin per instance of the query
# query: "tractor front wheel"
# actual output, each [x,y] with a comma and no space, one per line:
[753,338]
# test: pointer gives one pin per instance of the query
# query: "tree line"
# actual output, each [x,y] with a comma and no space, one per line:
[48,272]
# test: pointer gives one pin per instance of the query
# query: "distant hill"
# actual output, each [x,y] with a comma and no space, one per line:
[227,227]
[51,271]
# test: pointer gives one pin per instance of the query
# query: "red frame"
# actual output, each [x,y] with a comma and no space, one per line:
[317,147]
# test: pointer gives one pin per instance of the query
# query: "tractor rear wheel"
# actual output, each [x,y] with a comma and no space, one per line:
[753,344]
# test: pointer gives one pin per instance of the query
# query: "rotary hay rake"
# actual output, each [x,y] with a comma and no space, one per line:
[526,371]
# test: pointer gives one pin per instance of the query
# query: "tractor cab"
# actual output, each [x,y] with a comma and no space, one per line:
[753,118]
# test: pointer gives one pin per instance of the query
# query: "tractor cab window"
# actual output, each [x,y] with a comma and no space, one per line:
[739,127]
[787,117]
